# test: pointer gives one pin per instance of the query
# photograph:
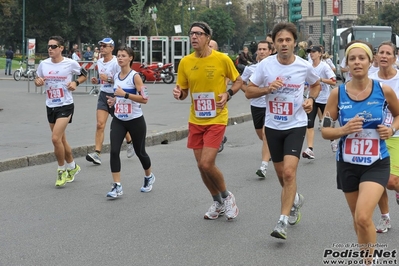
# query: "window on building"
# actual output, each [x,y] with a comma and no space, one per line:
[360,7]
[324,7]
[310,29]
[311,8]
[324,28]
[249,11]
[274,10]
[341,7]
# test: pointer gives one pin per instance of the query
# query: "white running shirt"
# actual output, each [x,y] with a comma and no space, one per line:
[257,102]
[284,106]
[109,68]
[324,71]
[56,77]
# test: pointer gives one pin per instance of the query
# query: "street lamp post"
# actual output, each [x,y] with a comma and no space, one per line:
[153,11]
[23,30]
[190,9]
[228,4]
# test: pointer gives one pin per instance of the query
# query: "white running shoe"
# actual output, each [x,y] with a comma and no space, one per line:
[262,171]
[308,154]
[383,225]
[148,182]
[217,209]
[130,150]
[231,209]
[334,146]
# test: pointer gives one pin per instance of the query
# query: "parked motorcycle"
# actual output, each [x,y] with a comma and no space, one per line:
[29,73]
[157,72]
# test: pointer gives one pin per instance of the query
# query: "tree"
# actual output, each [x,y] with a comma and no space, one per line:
[385,16]
[138,16]
[221,23]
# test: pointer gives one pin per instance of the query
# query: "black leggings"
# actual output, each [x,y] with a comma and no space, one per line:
[138,130]
[312,115]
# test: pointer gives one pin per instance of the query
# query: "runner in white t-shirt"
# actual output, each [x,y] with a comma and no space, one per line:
[327,79]
[282,78]
[388,75]
[107,67]
[56,74]
[258,106]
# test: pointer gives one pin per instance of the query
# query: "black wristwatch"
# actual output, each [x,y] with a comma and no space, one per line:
[127,95]
[77,82]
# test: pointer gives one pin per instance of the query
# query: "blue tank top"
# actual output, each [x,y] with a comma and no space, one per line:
[373,109]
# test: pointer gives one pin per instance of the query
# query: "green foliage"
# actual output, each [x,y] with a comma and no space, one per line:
[138,15]
[221,23]
[385,16]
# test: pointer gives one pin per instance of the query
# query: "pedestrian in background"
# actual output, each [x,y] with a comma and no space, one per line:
[9,58]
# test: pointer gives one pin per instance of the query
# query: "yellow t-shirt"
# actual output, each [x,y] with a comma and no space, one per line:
[205,79]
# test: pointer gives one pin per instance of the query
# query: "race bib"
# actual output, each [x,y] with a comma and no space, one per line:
[55,93]
[204,104]
[123,109]
[281,108]
[362,148]
[388,119]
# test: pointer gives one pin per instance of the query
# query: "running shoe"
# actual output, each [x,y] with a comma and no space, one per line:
[334,146]
[295,214]
[231,208]
[383,225]
[93,157]
[262,171]
[130,150]
[308,154]
[72,173]
[280,231]
[397,197]
[217,209]
[116,191]
[221,147]
[61,178]
[148,182]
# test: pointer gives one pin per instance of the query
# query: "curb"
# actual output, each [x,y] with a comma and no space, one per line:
[82,151]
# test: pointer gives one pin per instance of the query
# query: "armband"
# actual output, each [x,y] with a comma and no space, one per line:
[83,72]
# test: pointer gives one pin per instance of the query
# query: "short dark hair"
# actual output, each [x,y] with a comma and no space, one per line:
[269,45]
[58,39]
[288,26]
[128,50]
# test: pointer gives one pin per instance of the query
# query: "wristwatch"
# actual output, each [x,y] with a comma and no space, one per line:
[393,130]
[77,82]
[127,95]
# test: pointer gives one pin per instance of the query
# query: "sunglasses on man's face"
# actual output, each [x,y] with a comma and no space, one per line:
[104,45]
[53,46]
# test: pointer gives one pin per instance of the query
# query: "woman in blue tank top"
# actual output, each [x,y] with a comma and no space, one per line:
[363,164]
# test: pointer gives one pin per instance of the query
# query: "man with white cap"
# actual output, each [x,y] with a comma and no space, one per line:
[107,67]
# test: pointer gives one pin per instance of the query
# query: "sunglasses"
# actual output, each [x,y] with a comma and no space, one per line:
[53,46]
[104,45]
[197,33]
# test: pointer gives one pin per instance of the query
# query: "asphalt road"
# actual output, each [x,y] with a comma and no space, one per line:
[78,225]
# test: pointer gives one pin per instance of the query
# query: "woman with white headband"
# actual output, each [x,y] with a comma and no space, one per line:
[363,162]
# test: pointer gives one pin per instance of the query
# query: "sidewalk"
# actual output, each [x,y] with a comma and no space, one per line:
[25,138]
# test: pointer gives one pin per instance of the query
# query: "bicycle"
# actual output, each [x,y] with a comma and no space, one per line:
[29,73]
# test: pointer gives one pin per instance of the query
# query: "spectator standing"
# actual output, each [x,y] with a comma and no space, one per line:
[75,55]
[9,58]
[96,54]
[88,55]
